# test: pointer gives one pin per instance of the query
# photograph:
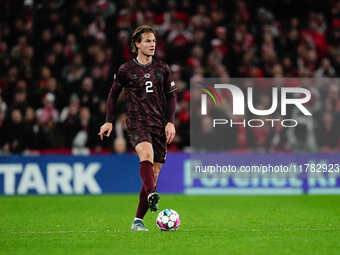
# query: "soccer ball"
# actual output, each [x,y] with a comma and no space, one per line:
[168,220]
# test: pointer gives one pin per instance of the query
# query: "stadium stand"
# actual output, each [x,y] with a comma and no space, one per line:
[58,58]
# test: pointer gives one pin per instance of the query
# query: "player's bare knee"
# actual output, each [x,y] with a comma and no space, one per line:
[146,155]
[143,146]
[144,151]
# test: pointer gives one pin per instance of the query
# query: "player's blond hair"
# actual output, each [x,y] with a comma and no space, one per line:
[137,36]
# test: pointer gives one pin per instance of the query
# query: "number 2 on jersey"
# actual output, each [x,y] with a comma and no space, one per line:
[148,87]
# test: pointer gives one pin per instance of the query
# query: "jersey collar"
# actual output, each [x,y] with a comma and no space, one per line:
[135,60]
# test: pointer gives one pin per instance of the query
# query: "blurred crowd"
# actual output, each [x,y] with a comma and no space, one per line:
[58,59]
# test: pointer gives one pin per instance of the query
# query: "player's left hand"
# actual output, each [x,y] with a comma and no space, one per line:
[170,132]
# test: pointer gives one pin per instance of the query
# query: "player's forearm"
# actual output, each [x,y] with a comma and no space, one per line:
[109,108]
[171,108]
[110,103]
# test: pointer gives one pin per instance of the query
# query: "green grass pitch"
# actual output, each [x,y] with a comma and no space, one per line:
[210,225]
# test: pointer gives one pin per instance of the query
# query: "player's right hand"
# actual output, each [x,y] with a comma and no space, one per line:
[105,129]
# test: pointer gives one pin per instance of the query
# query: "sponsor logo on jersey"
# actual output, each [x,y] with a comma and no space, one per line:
[147,75]
[172,83]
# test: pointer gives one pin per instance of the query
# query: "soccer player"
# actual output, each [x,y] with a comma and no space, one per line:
[151,104]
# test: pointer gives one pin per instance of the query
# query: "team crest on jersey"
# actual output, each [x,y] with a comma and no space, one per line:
[134,76]
[147,75]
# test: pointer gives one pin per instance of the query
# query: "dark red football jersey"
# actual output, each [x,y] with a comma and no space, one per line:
[146,88]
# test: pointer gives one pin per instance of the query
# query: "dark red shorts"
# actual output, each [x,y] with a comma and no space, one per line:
[156,137]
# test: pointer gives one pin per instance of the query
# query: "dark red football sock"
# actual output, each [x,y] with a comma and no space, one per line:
[143,204]
[147,175]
